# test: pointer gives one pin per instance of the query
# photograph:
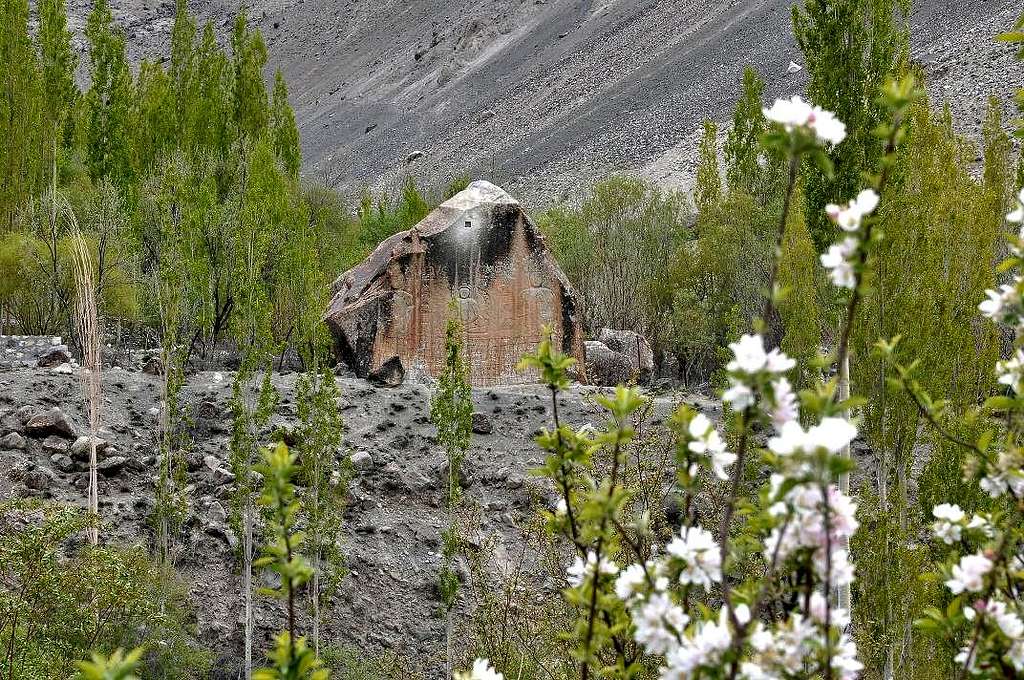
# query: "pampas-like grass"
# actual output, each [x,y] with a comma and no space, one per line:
[87,325]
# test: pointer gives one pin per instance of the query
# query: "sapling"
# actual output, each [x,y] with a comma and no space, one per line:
[292,659]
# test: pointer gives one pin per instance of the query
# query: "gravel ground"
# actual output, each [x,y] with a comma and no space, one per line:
[392,526]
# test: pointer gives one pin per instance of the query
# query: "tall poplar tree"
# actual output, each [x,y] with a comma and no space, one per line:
[59,61]
[850,47]
[109,147]
[19,111]
[283,128]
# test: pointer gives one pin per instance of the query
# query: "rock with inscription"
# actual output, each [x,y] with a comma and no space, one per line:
[478,255]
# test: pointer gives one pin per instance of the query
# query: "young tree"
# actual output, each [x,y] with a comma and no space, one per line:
[743,143]
[20,109]
[707,190]
[249,95]
[798,309]
[59,62]
[451,411]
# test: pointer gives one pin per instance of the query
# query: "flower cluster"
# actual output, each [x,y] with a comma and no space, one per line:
[796,114]
[481,671]
[751,367]
[1004,305]
[840,258]
[580,571]
[808,523]
[707,442]
[1005,473]
[1009,372]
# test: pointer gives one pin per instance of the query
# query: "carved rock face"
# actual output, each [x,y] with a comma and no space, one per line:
[478,249]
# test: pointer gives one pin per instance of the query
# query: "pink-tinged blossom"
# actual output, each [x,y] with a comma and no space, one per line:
[969,575]
[784,406]
[796,113]
[839,262]
[700,554]
[849,217]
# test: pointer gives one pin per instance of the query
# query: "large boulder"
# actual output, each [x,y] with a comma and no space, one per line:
[606,366]
[478,255]
[635,347]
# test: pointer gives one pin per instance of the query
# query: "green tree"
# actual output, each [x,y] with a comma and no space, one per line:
[283,129]
[109,101]
[59,62]
[801,318]
[850,47]
[249,95]
[451,411]
[743,143]
[707,190]
[20,104]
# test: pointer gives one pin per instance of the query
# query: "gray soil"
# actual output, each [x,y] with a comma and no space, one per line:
[387,602]
[546,96]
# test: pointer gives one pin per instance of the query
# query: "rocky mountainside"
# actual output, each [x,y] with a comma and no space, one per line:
[543,96]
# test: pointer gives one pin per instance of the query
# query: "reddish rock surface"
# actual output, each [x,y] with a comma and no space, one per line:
[478,248]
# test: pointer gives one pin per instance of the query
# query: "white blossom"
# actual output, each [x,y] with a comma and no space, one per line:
[839,262]
[1003,304]
[481,671]
[849,217]
[1017,214]
[738,396]
[701,555]
[1009,371]
[580,571]
[948,527]
[969,575]
[659,623]
[832,435]
[796,113]
[630,582]
[707,442]
[784,408]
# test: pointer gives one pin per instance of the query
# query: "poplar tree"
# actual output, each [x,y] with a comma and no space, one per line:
[59,62]
[249,95]
[708,184]
[743,143]
[109,100]
[799,311]
[283,129]
[19,111]
[849,47]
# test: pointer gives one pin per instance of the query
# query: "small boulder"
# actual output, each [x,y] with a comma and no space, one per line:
[222,476]
[39,479]
[482,423]
[63,369]
[112,465]
[635,347]
[390,374]
[62,462]
[605,366]
[55,444]
[50,422]
[153,365]
[361,460]
[54,357]
[80,449]
[12,441]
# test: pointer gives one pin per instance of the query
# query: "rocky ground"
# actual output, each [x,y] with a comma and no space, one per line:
[393,523]
[545,96]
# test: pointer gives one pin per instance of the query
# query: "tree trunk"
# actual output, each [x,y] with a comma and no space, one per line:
[247,550]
